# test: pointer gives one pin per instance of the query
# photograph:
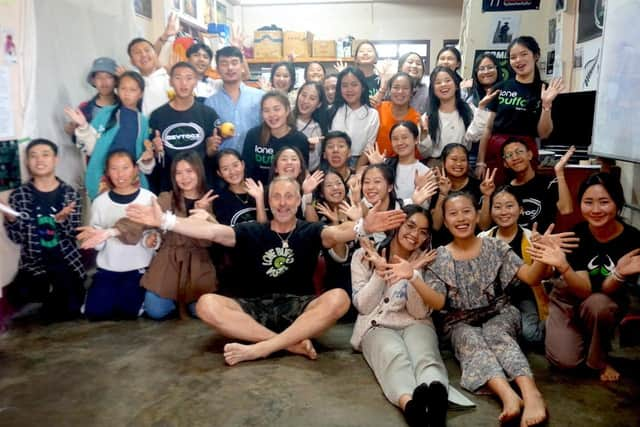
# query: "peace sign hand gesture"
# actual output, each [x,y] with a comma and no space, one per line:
[488,186]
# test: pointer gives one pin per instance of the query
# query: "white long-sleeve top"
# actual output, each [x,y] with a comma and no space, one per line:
[452,130]
[379,305]
[114,255]
[360,124]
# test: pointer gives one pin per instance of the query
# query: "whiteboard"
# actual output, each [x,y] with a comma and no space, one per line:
[616,128]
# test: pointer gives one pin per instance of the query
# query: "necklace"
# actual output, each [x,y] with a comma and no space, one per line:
[244,200]
[285,241]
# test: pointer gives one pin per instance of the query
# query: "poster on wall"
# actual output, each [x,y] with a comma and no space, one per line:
[550,62]
[590,19]
[505,29]
[509,5]
[503,60]
[190,8]
[591,59]
[143,8]
[9,165]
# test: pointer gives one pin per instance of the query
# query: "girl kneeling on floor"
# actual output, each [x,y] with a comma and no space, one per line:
[181,271]
[125,250]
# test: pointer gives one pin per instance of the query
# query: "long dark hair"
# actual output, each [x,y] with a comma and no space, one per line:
[265,132]
[290,69]
[195,161]
[477,91]
[319,192]
[531,44]
[434,103]
[339,100]
[410,210]
[448,149]
[320,115]
[404,58]
[113,117]
[396,76]
[389,176]
[458,56]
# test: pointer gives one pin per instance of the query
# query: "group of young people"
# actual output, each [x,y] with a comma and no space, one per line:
[370,172]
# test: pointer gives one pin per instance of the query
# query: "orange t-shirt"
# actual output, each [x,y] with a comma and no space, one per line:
[386,123]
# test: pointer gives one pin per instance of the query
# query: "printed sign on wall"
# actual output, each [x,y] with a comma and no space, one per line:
[509,5]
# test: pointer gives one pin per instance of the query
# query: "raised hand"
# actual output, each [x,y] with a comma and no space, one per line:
[377,220]
[422,194]
[120,70]
[558,168]
[355,189]
[486,100]
[548,253]
[327,211]
[422,180]
[373,154]
[444,183]
[567,241]
[549,92]
[90,237]
[340,65]
[629,264]
[466,84]
[419,259]
[173,26]
[237,38]
[147,154]
[148,215]
[205,201]
[488,186]
[158,146]
[398,269]
[264,84]
[213,142]
[312,181]
[255,189]
[352,210]
[64,213]
[76,116]
[424,125]
[378,261]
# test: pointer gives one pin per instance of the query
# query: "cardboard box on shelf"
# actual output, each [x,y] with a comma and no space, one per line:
[298,42]
[324,48]
[267,44]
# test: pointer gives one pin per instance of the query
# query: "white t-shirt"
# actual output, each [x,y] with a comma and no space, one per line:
[156,86]
[405,178]
[361,125]
[114,255]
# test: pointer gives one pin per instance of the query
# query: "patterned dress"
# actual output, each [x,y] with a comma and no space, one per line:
[477,316]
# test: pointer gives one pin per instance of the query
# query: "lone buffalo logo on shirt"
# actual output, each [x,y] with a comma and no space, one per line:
[277,260]
[183,136]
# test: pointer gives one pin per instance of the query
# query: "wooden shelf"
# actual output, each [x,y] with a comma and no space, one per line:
[299,60]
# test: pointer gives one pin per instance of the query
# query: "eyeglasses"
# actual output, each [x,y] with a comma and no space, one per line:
[487,68]
[519,152]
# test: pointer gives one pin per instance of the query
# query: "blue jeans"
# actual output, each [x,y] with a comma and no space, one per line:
[159,308]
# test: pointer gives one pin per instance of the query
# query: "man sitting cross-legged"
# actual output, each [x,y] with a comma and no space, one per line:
[278,261]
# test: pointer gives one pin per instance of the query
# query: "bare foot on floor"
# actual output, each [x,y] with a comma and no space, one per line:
[304,348]
[511,407]
[608,374]
[535,411]
[235,353]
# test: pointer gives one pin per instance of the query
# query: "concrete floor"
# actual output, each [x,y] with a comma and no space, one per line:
[161,374]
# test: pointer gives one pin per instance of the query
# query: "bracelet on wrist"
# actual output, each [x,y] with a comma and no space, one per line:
[617,276]
[168,221]
[416,275]
[562,272]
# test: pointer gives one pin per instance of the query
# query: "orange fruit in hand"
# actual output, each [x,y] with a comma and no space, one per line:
[227,129]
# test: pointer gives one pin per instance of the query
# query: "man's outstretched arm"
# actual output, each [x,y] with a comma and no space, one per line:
[195,227]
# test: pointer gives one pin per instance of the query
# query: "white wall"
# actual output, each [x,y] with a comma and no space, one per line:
[433,20]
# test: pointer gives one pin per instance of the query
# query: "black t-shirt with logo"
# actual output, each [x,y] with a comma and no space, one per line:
[231,209]
[181,131]
[46,205]
[539,199]
[597,258]
[373,84]
[258,157]
[517,108]
[264,265]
